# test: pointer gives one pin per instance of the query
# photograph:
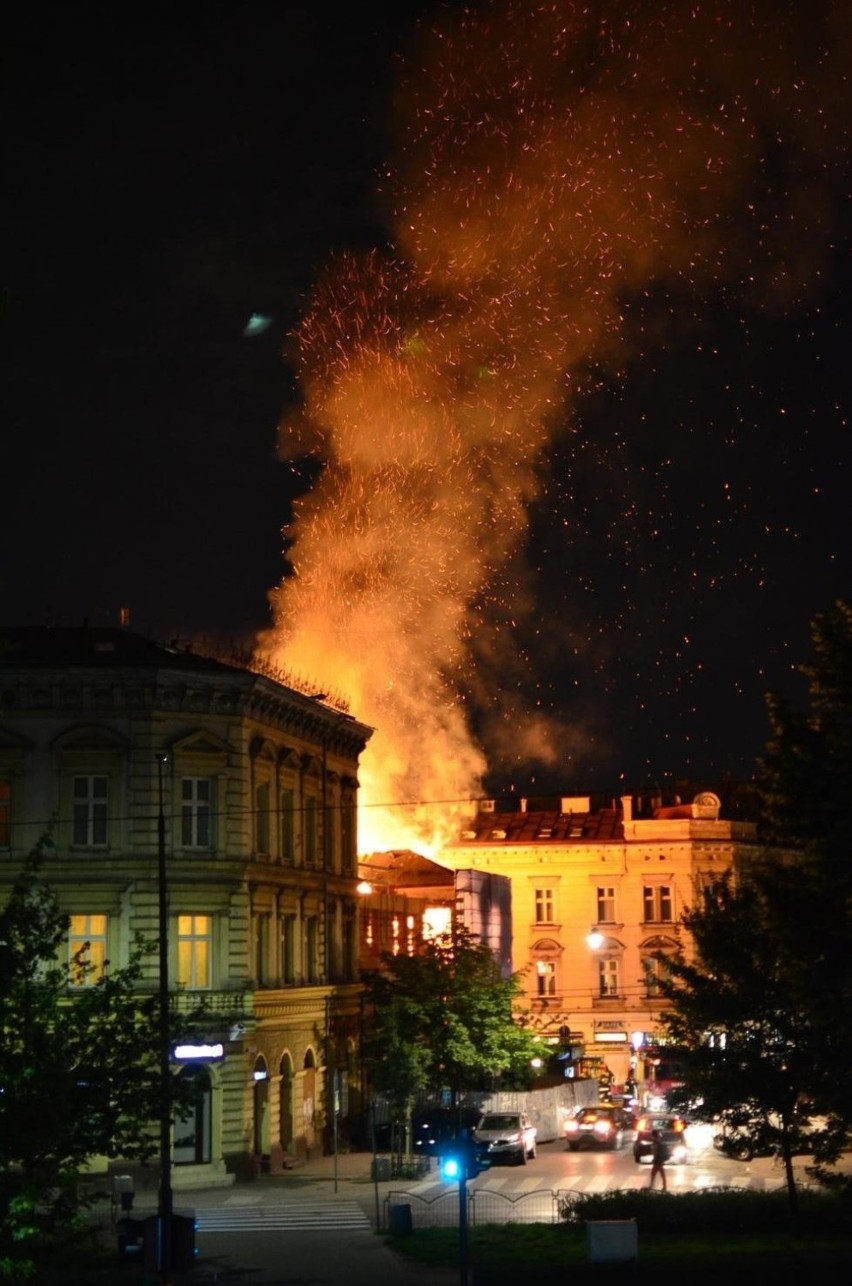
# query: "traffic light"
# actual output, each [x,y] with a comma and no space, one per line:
[464,1161]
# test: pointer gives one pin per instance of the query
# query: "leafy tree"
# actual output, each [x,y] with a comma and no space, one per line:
[442,1020]
[79,1071]
[762,1000]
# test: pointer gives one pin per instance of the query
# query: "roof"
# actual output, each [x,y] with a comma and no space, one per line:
[101,647]
[541,827]
[404,868]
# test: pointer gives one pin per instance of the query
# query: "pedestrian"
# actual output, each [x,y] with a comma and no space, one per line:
[659,1157]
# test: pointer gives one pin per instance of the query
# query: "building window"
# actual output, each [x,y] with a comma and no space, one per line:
[606,904]
[608,976]
[5,815]
[287,929]
[347,836]
[544,906]
[657,902]
[196,794]
[350,963]
[89,812]
[312,969]
[194,945]
[656,971]
[288,827]
[261,817]
[310,831]
[545,978]
[261,949]
[87,949]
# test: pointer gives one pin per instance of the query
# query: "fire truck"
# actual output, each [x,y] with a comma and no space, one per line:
[664,1072]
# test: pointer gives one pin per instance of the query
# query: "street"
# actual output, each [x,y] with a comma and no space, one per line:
[594,1170]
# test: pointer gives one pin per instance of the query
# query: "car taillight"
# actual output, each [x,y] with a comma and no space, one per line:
[678,1127]
[642,1124]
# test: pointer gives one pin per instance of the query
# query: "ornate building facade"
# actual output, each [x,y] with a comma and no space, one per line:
[105,738]
[596,893]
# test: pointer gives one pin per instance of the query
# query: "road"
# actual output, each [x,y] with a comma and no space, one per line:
[556,1168]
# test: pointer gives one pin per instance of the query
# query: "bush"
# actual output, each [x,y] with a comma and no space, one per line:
[715,1210]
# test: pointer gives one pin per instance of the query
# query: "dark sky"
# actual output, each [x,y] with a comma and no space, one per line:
[172,171]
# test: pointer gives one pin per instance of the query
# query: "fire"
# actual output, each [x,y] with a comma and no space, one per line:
[557,163]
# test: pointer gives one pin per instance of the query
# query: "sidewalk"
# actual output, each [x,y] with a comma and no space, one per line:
[292,1257]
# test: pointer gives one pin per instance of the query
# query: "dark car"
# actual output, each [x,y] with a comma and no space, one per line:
[434,1129]
[673,1129]
[601,1126]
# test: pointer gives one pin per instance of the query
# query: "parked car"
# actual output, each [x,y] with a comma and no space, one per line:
[673,1129]
[601,1126]
[506,1136]
[433,1129]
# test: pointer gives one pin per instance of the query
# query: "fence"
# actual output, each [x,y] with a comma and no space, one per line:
[545,1205]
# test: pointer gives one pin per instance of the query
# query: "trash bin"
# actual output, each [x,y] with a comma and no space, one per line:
[380,1169]
[130,1234]
[399,1219]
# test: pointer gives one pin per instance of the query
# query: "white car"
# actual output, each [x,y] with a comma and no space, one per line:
[505,1135]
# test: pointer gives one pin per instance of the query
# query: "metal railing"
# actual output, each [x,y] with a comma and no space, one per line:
[484,1206]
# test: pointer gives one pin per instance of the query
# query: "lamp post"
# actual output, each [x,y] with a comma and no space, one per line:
[166,1202]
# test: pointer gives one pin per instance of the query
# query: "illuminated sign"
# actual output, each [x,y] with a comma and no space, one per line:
[196,1052]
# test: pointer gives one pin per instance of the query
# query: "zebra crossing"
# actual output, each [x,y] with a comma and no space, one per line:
[290,1216]
[679,1181]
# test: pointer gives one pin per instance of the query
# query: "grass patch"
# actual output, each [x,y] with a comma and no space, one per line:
[743,1236]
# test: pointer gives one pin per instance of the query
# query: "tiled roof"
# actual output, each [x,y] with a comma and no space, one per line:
[541,828]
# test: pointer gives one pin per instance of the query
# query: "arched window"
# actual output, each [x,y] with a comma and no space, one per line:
[545,959]
[608,965]
[654,970]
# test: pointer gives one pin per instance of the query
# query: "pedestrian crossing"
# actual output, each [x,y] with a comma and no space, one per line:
[691,1179]
[290,1216]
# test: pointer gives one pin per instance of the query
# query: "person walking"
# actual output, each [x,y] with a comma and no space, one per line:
[659,1157]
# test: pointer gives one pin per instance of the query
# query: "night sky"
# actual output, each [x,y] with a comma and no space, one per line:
[172,173]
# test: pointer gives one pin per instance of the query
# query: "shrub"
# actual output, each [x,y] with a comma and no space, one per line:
[722,1210]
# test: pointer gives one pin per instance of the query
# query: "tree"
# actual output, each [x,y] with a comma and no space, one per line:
[442,1020]
[79,1070]
[763,1000]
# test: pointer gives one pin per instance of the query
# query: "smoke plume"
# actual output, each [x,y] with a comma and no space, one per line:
[556,164]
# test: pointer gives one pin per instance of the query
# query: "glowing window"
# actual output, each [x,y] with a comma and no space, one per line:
[87,948]
[194,947]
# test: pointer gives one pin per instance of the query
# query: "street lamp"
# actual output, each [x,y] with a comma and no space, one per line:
[594,938]
[166,1199]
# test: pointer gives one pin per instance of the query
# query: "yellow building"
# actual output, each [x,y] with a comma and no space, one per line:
[595,893]
[103,735]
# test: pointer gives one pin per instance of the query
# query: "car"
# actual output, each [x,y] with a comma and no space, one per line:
[600,1126]
[505,1136]
[673,1129]
[433,1129]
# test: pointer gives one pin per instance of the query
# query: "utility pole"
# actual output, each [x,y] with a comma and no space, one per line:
[164,1256]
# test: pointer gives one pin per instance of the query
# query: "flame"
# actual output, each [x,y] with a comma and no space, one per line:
[557,163]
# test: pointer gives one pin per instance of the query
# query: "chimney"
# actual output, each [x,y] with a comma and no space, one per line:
[627,808]
[523,804]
